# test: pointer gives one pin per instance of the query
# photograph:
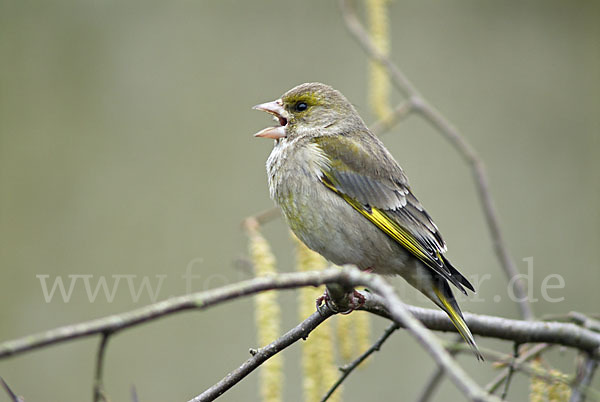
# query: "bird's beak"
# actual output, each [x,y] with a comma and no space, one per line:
[276,109]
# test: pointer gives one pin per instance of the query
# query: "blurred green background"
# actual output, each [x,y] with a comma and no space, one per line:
[126,148]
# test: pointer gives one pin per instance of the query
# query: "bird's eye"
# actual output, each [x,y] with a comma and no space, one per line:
[301,106]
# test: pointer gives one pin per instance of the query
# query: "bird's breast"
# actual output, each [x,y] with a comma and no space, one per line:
[294,169]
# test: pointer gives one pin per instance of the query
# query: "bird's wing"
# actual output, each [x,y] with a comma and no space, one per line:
[368,178]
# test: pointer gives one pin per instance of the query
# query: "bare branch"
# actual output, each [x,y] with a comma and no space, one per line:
[399,113]
[523,367]
[511,371]
[98,391]
[348,368]
[435,379]
[584,379]
[585,321]
[13,397]
[434,117]
[381,301]
[259,219]
[301,331]
[401,315]
[565,334]
[528,355]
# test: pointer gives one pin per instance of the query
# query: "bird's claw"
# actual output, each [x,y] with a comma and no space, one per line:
[355,301]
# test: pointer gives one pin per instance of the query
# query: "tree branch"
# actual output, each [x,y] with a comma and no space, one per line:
[98,391]
[13,397]
[301,331]
[525,357]
[524,367]
[381,301]
[588,368]
[400,112]
[435,379]
[434,117]
[519,331]
[565,334]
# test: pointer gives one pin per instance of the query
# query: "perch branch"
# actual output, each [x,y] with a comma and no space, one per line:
[401,315]
[566,334]
[559,333]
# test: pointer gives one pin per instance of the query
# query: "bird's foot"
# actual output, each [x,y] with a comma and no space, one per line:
[354,301]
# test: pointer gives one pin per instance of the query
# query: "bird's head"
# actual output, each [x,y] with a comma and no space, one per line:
[310,110]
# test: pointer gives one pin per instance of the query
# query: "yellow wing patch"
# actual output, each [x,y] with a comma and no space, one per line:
[391,228]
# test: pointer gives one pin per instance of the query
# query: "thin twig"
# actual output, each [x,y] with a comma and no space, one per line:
[435,379]
[348,368]
[584,379]
[524,367]
[511,371]
[585,321]
[259,219]
[98,390]
[399,113]
[433,116]
[301,331]
[134,395]
[14,397]
[528,355]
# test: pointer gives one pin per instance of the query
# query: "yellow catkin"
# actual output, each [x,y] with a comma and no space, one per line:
[318,364]
[560,389]
[544,390]
[379,82]
[353,334]
[345,337]
[268,319]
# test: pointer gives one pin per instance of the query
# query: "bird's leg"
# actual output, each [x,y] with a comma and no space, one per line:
[353,300]
[323,298]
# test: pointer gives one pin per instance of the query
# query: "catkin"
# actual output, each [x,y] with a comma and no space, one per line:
[543,390]
[346,338]
[318,363]
[353,334]
[268,318]
[379,83]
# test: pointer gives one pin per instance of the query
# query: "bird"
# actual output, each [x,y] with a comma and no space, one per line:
[343,194]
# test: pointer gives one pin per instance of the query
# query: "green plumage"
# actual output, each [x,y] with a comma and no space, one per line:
[344,196]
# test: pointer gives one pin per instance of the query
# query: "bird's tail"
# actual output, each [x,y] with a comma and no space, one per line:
[447,302]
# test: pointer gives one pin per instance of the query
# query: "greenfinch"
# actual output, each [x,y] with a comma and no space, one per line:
[343,195]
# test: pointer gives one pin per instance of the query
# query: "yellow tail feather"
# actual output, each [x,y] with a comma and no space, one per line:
[451,308]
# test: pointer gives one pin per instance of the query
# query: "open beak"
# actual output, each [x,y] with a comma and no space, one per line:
[276,109]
